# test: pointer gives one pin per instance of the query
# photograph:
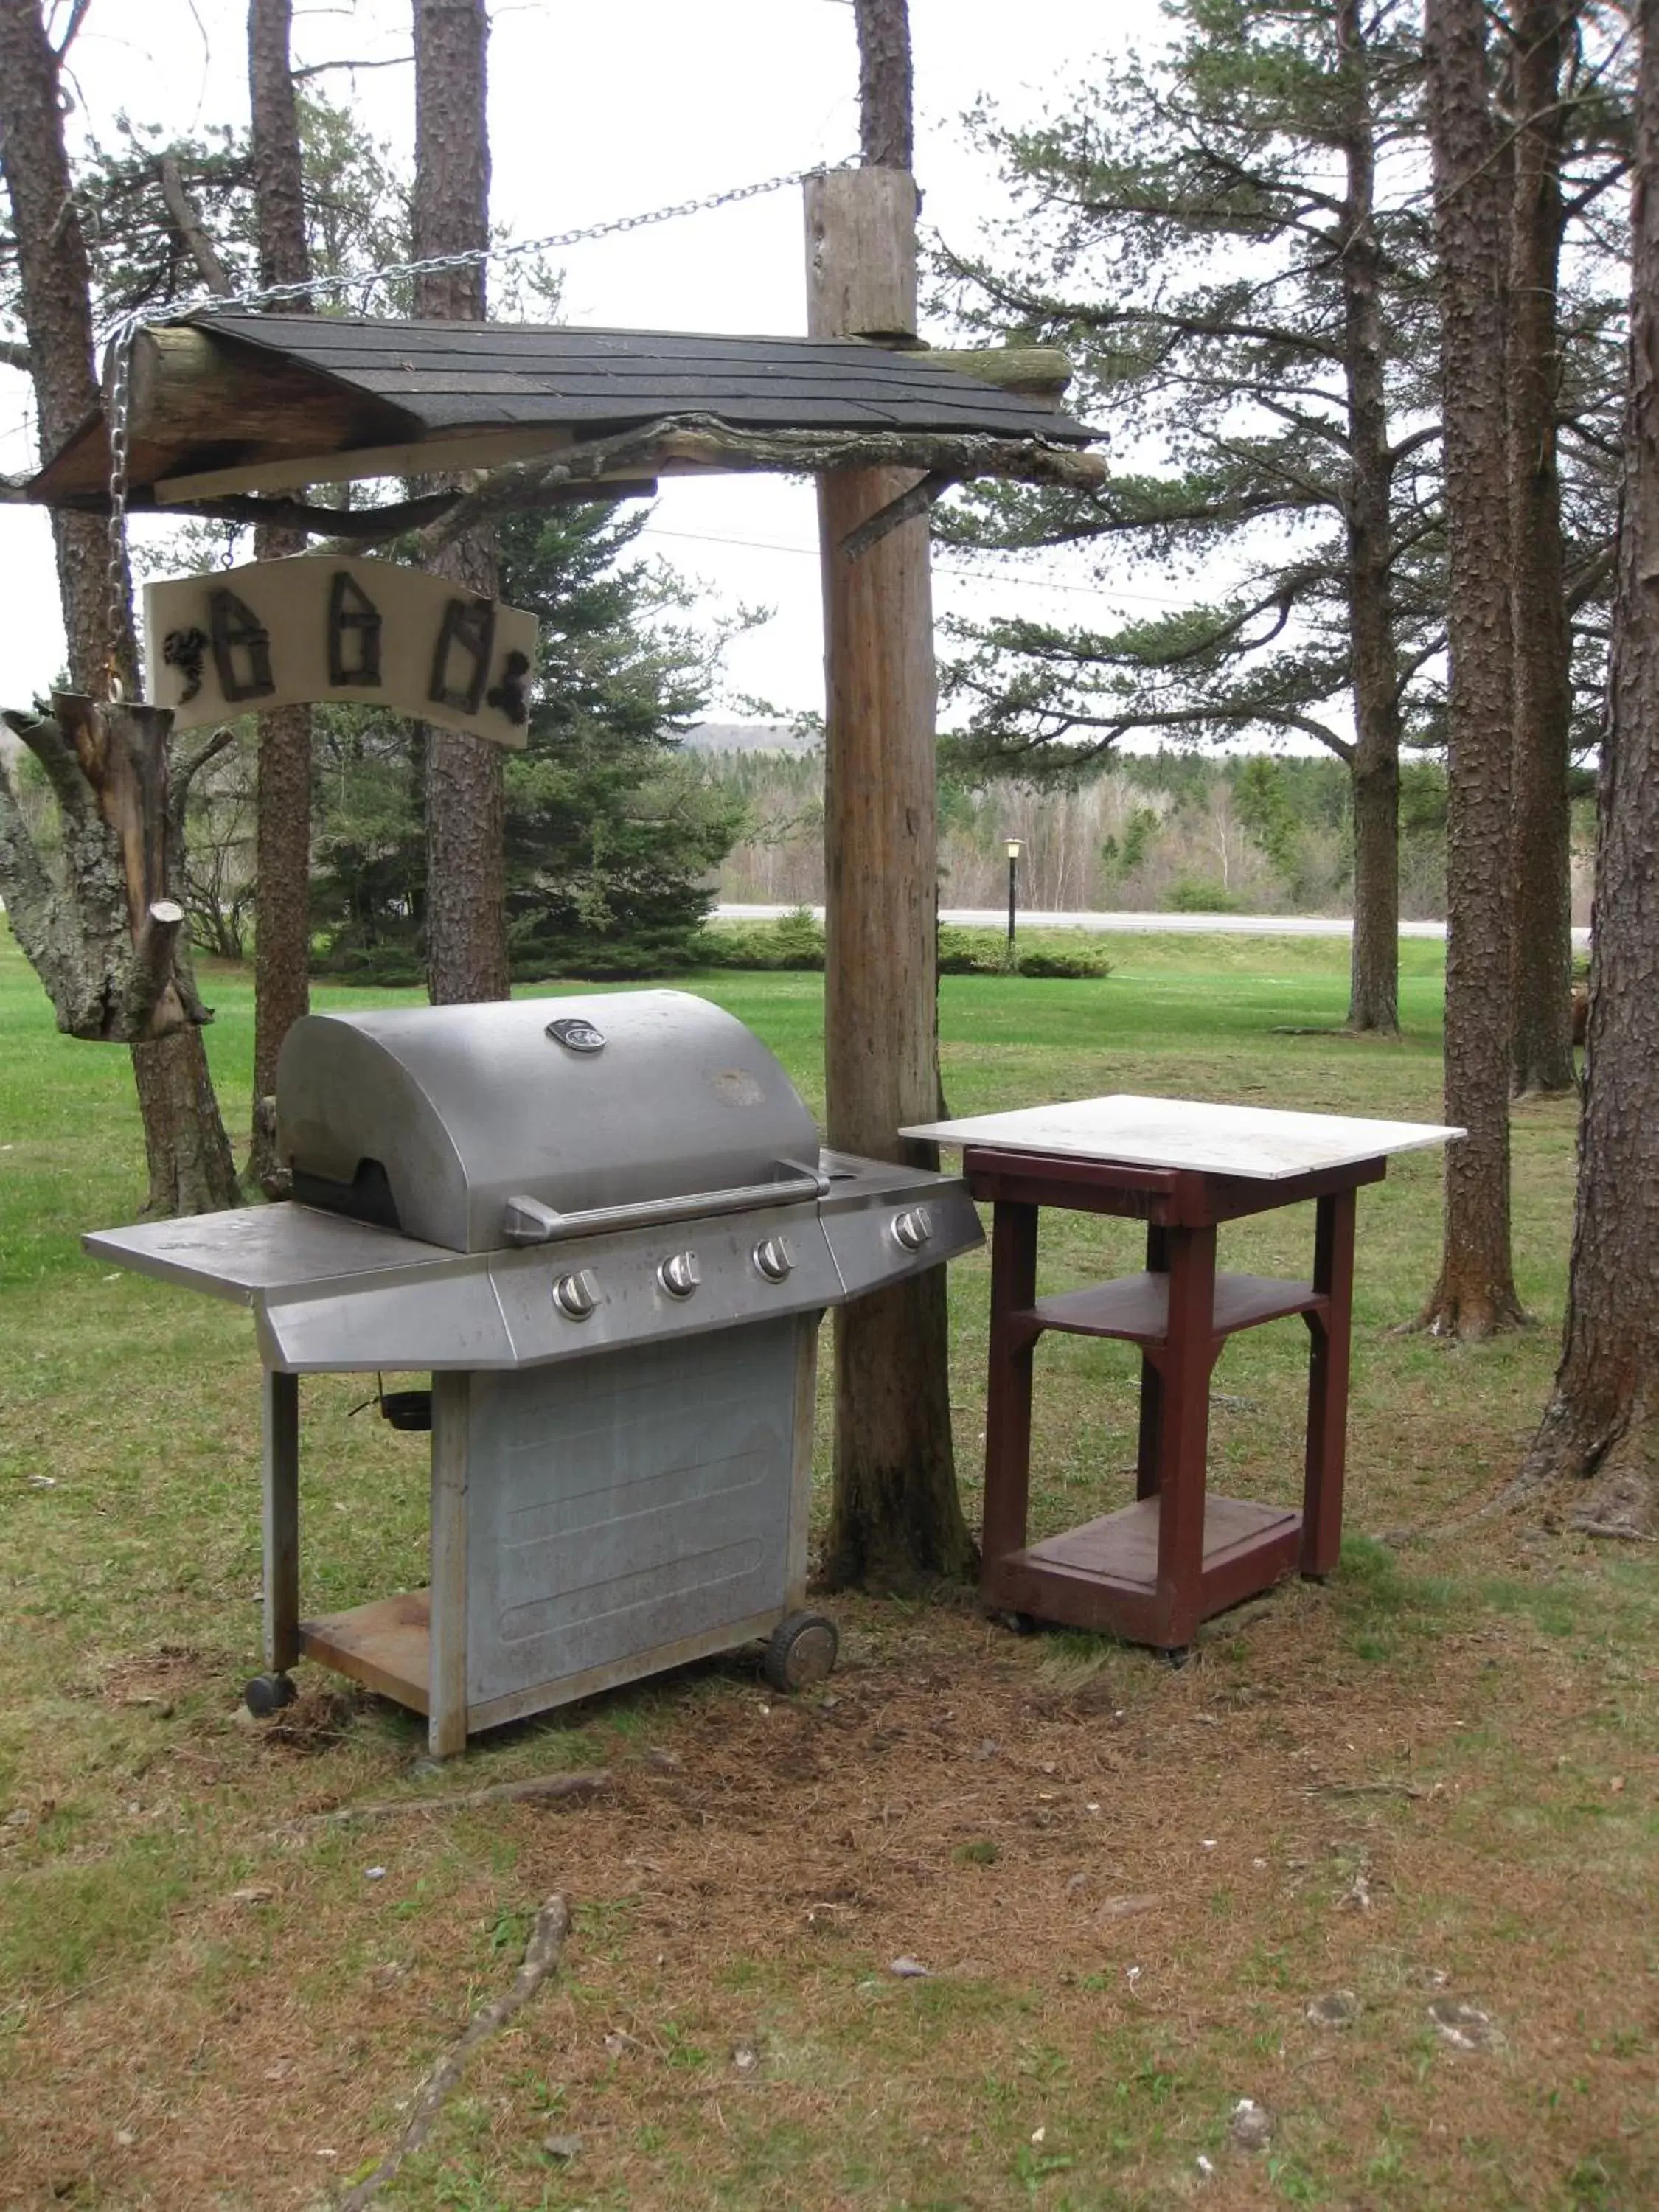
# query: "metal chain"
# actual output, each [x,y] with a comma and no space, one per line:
[115,581]
[125,331]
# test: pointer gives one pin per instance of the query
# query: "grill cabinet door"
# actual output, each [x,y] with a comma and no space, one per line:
[620,1504]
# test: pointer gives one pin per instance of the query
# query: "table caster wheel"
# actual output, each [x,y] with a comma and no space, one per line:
[268,1693]
[801,1651]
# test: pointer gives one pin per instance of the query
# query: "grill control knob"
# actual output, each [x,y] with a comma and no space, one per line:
[576,1295]
[680,1275]
[774,1259]
[913,1228]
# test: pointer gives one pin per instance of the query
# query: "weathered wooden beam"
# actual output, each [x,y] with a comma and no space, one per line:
[683,444]
[1039,371]
[918,500]
[860,253]
[353,529]
[194,391]
[433,456]
[347,525]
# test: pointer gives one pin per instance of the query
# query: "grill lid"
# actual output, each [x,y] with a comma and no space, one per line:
[431,1119]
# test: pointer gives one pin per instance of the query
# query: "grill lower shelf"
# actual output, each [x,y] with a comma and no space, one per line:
[385,1646]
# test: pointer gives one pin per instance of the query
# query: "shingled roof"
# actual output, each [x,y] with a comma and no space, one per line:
[445,375]
[226,391]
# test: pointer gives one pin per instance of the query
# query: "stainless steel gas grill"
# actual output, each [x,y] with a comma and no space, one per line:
[606,1227]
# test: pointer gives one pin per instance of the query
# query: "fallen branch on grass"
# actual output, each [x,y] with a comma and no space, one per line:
[587,1784]
[1372,1789]
[541,1959]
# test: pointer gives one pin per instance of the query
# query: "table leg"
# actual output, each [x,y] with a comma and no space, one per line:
[452,1408]
[280,1412]
[1190,1354]
[1330,1334]
[1008,1395]
[1151,1380]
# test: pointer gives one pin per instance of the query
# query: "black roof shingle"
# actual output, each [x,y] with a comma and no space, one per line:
[449,375]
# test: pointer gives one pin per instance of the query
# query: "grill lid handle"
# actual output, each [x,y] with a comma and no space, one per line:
[527,1221]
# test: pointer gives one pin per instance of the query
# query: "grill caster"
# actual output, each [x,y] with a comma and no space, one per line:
[801,1651]
[268,1693]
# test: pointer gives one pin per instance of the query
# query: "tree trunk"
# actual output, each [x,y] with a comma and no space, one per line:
[465,896]
[185,1144]
[1476,1293]
[886,108]
[1603,1417]
[1542,1043]
[895,1519]
[281,946]
[1374,766]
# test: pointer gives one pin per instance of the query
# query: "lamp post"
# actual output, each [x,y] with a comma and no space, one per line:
[1014,847]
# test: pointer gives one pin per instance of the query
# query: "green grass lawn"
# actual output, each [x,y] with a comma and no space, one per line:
[1430,1783]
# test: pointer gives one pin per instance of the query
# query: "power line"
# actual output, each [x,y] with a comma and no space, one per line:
[944,567]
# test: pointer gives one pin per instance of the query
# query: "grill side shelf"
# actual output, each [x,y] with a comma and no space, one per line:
[251,1250]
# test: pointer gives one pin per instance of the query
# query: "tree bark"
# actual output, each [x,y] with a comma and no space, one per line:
[895,1519]
[282,848]
[1542,1043]
[1476,1293]
[1602,1420]
[886,107]
[184,1137]
[466,900]
[1374,768]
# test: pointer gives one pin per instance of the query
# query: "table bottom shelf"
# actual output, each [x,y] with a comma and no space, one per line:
[1103,1574]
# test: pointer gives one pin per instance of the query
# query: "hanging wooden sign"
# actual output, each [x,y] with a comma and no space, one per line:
[367,633]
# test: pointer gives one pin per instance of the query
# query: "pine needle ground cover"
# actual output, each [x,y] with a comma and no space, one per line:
[1381,1859]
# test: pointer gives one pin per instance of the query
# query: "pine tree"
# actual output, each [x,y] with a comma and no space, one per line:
[611,837]
[1212,240]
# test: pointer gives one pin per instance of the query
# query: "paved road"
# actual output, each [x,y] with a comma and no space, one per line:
[1181,925]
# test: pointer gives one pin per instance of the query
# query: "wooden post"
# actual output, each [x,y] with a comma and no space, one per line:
[895,1518]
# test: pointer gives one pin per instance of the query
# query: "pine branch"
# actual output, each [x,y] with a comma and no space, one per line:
[200,247]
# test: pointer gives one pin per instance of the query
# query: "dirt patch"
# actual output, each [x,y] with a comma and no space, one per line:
[1123,1886]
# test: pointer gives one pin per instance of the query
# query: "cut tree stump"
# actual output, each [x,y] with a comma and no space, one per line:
[101,929]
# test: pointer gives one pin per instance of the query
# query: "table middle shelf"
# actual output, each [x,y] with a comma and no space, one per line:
[1136,1308]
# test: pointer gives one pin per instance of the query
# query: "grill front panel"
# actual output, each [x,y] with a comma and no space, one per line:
[618,1505]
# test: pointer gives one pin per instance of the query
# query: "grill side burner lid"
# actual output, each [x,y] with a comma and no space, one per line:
[430,1119]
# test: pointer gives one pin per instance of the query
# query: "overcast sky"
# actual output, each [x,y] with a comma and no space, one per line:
[598,111]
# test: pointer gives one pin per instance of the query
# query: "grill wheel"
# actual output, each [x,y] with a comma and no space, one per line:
[801,1651]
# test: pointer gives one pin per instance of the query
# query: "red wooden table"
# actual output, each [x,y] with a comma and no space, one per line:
[1153,1570]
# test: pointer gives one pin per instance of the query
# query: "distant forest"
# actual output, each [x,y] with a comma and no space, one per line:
[1173,830]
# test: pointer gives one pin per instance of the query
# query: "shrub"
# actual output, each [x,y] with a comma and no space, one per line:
[1201,894]
[1077,961]
[972,952]
[792,941]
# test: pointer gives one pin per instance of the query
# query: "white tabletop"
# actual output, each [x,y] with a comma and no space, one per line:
[1189,1133]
